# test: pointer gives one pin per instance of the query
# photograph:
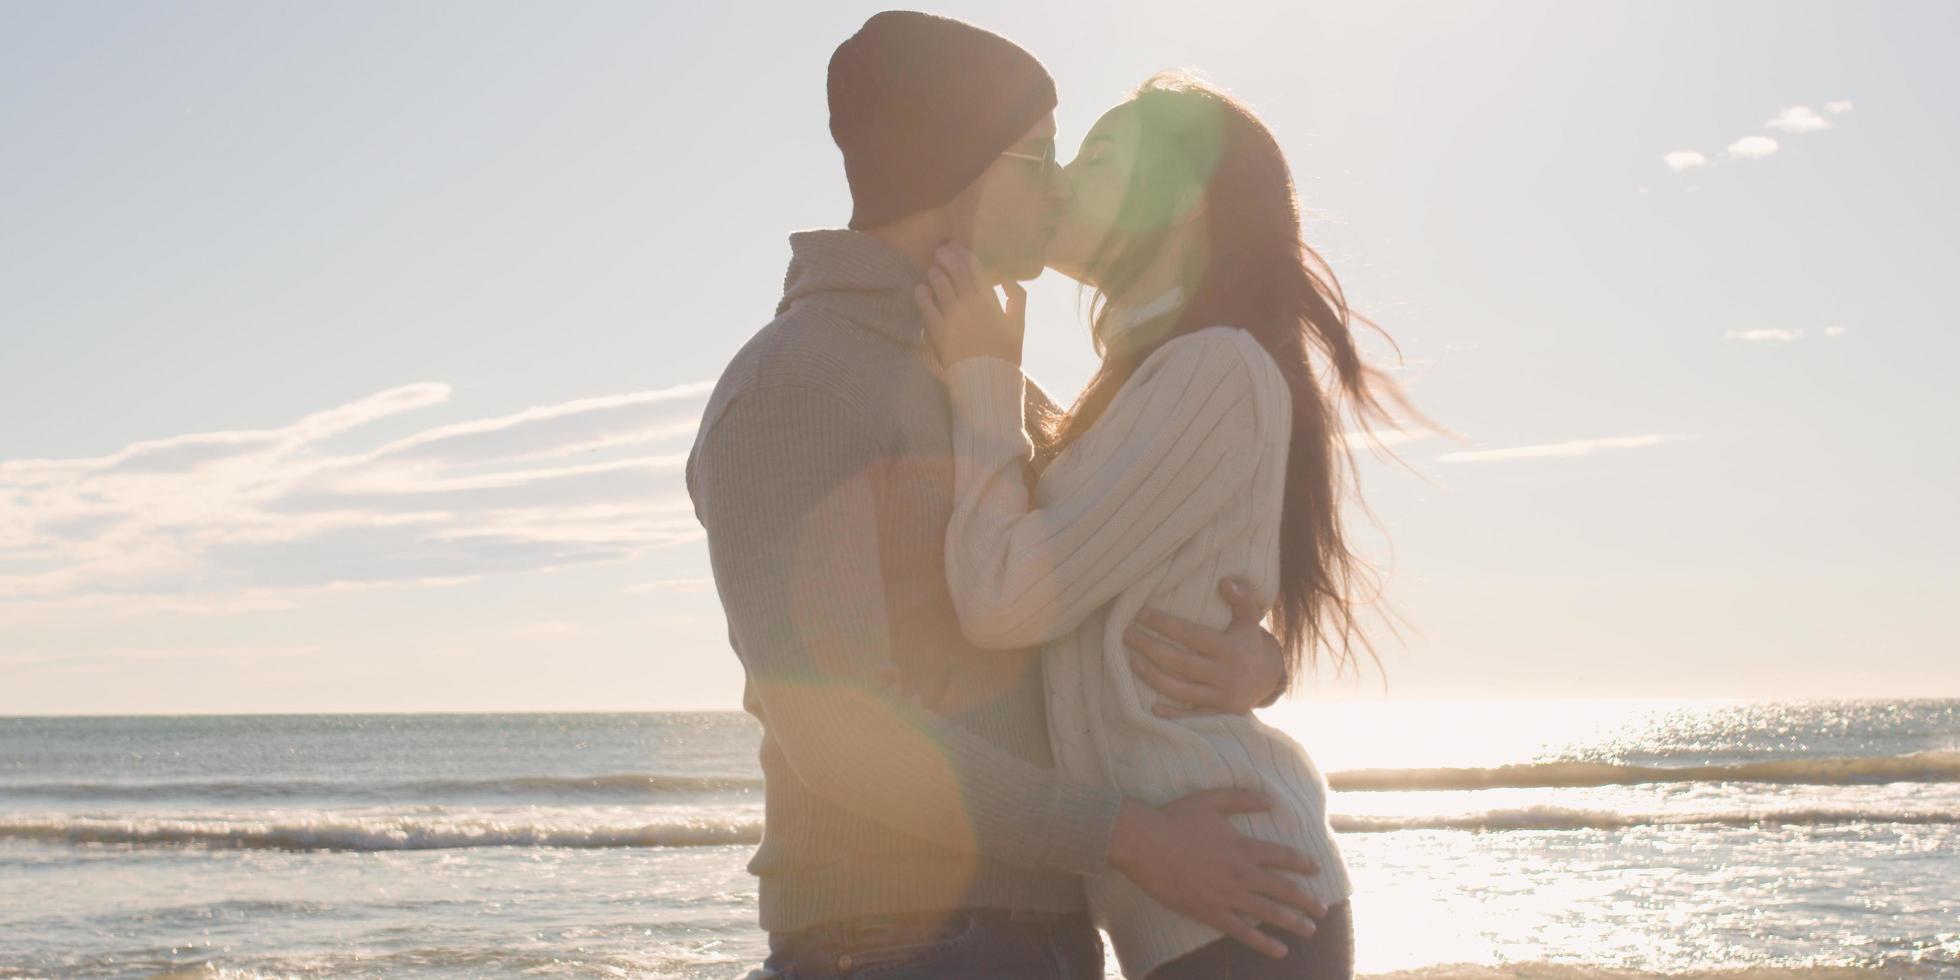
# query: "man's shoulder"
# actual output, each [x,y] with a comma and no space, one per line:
[815,349]
[810,358]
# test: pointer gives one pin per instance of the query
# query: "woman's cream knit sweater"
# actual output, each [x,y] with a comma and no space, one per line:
[1178,484]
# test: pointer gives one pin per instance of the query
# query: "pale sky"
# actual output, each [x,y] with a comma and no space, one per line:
[351,349]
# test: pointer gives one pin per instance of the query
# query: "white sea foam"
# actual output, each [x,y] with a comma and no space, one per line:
[395,833]
[628,785]
[410,832]
[1916,767]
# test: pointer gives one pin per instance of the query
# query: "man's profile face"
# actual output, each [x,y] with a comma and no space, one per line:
[1017,204]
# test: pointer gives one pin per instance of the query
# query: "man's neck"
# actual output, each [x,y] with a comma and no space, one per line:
[915,241]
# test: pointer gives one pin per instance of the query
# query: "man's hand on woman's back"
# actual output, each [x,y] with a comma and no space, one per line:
[1227,672]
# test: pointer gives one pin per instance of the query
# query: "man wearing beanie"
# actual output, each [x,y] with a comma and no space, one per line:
[921,107]
[914,823]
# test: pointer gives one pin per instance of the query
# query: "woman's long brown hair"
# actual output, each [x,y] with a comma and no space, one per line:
[1253,270]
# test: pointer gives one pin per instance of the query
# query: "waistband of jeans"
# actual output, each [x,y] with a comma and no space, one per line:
[903,924]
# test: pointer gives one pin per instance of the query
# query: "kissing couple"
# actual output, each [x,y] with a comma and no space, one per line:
[1005,653]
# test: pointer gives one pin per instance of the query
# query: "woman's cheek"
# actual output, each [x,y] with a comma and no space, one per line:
[1099,217]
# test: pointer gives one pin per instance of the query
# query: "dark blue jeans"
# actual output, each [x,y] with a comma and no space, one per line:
[972,944]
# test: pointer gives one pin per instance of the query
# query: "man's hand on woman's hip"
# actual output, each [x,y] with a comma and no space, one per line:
[1190,858]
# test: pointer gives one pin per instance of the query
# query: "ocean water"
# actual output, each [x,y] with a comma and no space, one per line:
[1488,839]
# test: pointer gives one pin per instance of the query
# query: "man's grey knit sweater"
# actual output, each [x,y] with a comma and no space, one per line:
[906,770]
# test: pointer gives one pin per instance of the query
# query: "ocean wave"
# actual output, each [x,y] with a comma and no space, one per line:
[1542,970]
[376,834]
[1918,767]
[413,833]
[1566,818]
[1924,767]
[369,963]
[616,784]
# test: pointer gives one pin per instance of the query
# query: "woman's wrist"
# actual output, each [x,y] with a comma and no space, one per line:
[988,394]
[956,353]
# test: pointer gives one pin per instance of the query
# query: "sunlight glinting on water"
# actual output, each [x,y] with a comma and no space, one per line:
[1353,734]
[1614,839]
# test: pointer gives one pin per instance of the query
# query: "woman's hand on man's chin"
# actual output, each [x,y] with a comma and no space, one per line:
[964,318]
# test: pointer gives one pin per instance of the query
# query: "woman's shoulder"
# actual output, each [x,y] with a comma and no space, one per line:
[1223,354]
[1220,341]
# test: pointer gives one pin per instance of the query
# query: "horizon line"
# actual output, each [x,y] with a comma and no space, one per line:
[739,711]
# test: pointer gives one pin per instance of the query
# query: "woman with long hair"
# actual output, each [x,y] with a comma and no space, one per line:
[1208,443]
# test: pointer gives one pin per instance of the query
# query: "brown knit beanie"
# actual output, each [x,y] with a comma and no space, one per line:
[921,105]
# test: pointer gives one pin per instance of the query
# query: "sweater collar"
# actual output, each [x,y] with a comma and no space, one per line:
[856,276]
[1123,319]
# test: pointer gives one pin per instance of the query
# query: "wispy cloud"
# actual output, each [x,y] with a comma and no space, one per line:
[1764,335]
[554,431]
[258,519]
[673,585]
[1752,148]
[1798,119]
[1681,160]
[97,660]
[1576,447]
[1777,335]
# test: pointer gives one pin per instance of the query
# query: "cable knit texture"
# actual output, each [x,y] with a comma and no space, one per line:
[1178,484]
[906,770]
